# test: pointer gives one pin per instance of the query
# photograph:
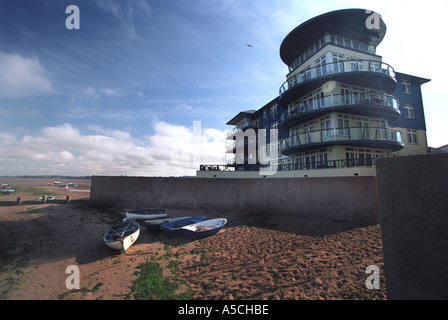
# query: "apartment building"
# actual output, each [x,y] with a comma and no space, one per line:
[340,108]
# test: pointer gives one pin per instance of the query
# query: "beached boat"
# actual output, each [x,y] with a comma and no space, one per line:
[48,198]
[204,228]
[178,224]
[8,191]
[155,224]
[121,236]
[146,214]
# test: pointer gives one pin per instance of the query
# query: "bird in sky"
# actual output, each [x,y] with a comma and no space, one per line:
[249,45]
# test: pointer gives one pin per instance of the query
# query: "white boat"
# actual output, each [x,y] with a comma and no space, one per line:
[146,214]
[204,229]
[48,198]
[121,236]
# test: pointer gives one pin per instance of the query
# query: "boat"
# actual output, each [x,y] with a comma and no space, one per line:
[155,224]
[48,198]
[8,191]
[204,229]
[146,214]
[178,224]
[121,236]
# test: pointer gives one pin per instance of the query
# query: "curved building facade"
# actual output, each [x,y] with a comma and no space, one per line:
[341,105]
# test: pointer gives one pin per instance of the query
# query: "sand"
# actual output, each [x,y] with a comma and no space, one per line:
[252,257]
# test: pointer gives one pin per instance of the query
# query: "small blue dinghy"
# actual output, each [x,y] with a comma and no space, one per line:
[178,224]
[204,229]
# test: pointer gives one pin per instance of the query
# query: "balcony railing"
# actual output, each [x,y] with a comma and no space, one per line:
[340,100]
[215,167]
[326,164]
[335,68]
[343,135]
[244,125]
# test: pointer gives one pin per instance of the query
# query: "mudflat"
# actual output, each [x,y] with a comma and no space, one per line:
[253,257]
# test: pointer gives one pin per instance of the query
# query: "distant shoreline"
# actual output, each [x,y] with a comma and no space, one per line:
[87,178]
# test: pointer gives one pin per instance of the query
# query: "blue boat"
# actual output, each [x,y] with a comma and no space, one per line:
[178,224]
[154,225]
[204,229]
[8,191]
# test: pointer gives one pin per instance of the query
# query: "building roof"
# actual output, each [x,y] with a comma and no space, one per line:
[409,77]
[350,23]
[236,119]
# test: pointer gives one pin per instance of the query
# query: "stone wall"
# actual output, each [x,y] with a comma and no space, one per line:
[413,202]
[346,198]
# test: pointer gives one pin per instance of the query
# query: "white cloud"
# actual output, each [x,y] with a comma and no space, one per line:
[22,77]
[129,14]
[171,151]
[92,93]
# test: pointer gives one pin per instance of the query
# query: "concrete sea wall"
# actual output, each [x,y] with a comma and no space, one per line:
[345,198]
[413,202]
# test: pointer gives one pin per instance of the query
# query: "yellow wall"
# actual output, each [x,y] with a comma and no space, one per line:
[420,148]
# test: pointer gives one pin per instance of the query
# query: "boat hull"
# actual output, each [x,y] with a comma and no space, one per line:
[122,236]
[146,214]
[177,225]
[204,229]
[153,225]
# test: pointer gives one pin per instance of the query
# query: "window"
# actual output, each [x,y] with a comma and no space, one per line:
[264,114]
[363,128]
[325,126]
[362,157]
[309,130]
[412,136]
[409,111]
[406,87]
[343,125]
[338,62]
[321,66]
[274,110]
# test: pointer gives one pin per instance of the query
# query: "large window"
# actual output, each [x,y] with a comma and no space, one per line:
[331,39]
[325,127]
[409,112]
[362,157]
[343,125]
[338,62]
[412,136]
[406,87]
[363,128]
[321,64]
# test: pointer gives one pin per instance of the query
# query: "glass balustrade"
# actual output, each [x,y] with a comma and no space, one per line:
[353,134]
[340,100]
[242,126]
[336,68]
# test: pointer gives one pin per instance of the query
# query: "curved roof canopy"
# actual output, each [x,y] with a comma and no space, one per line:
[349,23]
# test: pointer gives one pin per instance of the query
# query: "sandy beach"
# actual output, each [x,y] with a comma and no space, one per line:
[253,257]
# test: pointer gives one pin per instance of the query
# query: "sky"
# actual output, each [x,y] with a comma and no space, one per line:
[146,87]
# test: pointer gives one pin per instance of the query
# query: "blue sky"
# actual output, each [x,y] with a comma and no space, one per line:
[126,93]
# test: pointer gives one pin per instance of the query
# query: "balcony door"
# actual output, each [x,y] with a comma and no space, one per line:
[363,129]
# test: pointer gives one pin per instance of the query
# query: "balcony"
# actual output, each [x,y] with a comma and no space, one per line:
[326,164]
[373,105]
[242,126]
[363,73]
[363,137]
